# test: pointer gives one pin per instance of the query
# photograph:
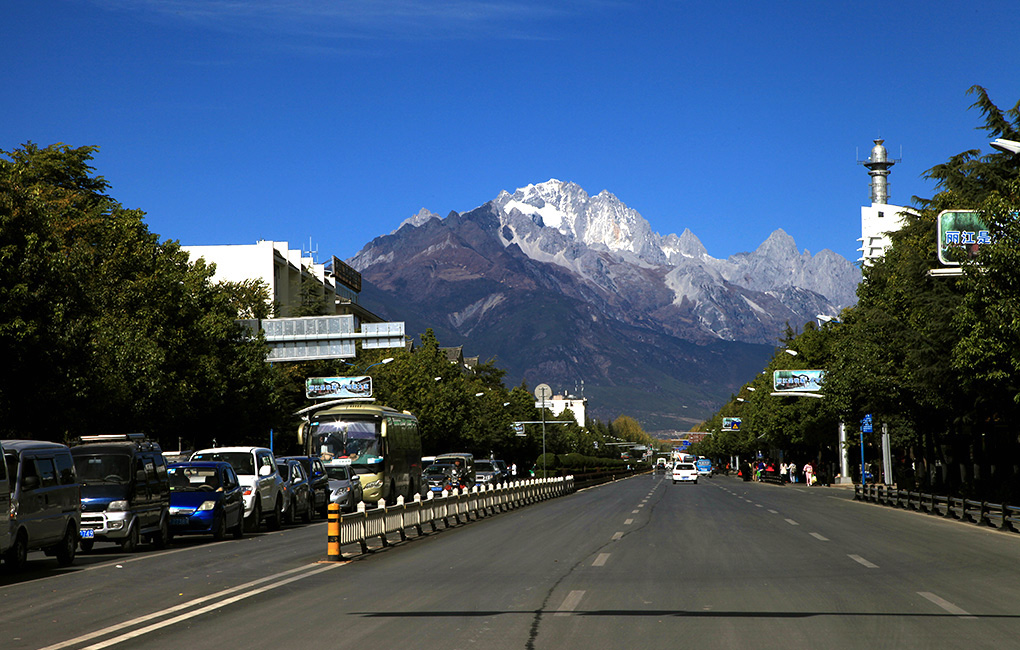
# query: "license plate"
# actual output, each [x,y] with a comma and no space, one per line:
[178,521]
[87,533]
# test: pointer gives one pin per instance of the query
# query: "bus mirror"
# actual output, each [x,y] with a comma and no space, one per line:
[301,433]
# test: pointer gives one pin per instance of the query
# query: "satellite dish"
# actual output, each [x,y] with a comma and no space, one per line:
[543,392]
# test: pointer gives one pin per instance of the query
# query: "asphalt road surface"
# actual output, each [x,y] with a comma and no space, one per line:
[639,563]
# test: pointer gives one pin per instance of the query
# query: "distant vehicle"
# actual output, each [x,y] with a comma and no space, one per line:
[441,476]
[206,498]
[486,473]
[382,445]
[344,487]
[298,499]
[125,491]
[464,463]
[317,481]
[704,466]
[504,471]
[256,470]
[39,493]
[685,473]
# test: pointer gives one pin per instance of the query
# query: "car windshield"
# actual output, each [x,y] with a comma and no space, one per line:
[188,479]
[338,472]
[103,468]
[357,440]
[484,466]
[241,461]
[438,470]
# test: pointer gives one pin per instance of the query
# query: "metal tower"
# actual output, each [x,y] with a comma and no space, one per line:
[878,165]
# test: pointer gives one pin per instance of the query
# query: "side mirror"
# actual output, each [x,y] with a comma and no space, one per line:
[265,470]
[356,478]
[140,476]
[29,483]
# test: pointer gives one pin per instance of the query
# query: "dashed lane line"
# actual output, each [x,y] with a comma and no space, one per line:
[570,603]
[601,559]
[862,561]
[946,605]
[820,538]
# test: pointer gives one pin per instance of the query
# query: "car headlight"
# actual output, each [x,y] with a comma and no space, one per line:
[117,506]
[374,484]
[206,505]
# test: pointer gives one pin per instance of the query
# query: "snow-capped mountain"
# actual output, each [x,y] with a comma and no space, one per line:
[562,286]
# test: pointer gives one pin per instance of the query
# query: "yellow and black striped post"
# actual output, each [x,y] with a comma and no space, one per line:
[333,531]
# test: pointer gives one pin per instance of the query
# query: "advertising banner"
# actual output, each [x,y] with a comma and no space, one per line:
[337,387]
[797,381]
[961,233]
[731,424]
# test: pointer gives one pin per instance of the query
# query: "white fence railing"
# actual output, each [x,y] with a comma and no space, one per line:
[363,525]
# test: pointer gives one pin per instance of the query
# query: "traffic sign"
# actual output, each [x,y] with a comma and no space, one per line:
[866,424]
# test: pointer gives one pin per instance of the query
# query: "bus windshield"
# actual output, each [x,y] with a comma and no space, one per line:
[356,442]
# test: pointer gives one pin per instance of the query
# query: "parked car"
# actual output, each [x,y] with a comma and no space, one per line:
[206,498]
[298,493]
[504,471]
[486,473]
[345,487]
[125,491]
[256,470]
[317,481]
[40,501]
[685,473]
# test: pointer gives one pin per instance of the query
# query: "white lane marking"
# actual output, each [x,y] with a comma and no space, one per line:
[861,560]
[792,522]
[628,522]
[569,603]
[634,512]
[601,559]
[946,605]
[775,512]
[617,536]
[190,603]
[758,505]
[820,538]
[641,505]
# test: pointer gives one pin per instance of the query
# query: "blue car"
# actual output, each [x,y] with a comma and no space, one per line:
[206,498]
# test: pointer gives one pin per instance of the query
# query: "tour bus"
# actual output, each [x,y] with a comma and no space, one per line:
[382,445]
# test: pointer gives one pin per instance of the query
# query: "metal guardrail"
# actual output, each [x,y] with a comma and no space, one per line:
[363,525]
[1001,516]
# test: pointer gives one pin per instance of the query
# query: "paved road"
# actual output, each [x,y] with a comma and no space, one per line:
[638,563]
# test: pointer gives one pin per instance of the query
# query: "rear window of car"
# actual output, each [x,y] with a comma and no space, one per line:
[685,466]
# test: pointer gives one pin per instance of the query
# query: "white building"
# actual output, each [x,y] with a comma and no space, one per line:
[557,404]
[880,218]
[288,273]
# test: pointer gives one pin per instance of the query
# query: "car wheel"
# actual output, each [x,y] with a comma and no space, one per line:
[130,543]
[87,545]
[695,481]
[255,519]
[17,555]
[220,527]
[275,522]
[67,547]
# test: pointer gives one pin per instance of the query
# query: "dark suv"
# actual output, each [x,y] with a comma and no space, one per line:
[125,491]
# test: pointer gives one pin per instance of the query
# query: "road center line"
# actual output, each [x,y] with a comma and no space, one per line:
[601,559]
[628,522]
[792,522]
[617,536]
[634,512]
[191,603]
[861,560]
[775,512]
[946,605]
[820,538]
[572,600]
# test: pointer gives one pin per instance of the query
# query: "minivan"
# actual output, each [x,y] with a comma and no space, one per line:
[43,501]
[125,490]
[463,463]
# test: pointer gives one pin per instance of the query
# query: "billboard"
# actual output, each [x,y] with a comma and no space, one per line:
[797,381]
[337,387]
[961,233]
[731,424]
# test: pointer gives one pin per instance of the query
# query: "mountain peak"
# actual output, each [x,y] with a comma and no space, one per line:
[423,216]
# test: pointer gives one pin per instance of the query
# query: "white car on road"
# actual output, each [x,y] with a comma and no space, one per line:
[685,473]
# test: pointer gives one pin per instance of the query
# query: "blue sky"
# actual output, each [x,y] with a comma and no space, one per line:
[332,121]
